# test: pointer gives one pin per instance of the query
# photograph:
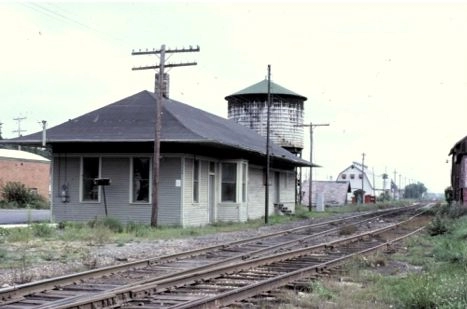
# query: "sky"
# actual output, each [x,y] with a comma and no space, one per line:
[389,77]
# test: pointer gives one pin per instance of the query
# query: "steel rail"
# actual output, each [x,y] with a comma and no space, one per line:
[10,293]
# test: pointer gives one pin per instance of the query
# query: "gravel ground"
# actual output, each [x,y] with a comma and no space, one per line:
[111,254]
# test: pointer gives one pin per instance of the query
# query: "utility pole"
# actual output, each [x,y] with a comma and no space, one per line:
[400,185]
[363,177]
[394,192]
[1,123]
[266,197]
[19,131]
[310,180]
[159,85]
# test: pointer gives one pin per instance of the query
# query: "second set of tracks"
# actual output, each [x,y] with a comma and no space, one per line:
[216,275]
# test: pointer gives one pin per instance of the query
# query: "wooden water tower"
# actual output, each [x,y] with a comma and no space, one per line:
[248,107]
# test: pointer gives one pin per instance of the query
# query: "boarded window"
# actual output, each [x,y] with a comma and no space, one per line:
[141,179]
[352,176]
[90,191]
[344,176]
[229,182]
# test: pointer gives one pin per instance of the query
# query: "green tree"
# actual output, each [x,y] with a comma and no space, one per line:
[414,190]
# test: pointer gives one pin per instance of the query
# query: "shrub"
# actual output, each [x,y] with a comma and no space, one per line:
[16,192]
[39,202]
[438,226]
[16,195]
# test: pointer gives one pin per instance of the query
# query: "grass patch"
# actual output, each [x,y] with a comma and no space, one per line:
[18,234]
[433,272]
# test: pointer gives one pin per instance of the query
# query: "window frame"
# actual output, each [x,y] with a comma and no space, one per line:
[244,183]
[240,184]
[196,180]
[234,182]
[132,181]
[81,180]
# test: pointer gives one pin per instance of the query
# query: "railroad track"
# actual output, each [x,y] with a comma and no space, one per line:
[222,287]
[67,291]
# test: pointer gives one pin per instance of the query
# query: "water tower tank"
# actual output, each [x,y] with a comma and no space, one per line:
[249,108]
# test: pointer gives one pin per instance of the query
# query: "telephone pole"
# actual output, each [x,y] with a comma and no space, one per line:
[310,181]
[158,89]
[19,131]
[268,160]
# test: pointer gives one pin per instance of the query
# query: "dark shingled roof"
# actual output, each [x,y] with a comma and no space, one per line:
[132,120]
[262,88]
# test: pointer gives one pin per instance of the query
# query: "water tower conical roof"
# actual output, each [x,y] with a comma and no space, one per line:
[262,88]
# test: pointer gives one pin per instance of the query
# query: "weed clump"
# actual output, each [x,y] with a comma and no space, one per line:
[348,229]
[112,224]
[43,230]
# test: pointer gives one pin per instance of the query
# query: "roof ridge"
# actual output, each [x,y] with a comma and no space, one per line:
[178,118]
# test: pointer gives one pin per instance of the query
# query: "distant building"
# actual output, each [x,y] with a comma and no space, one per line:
[331,193]
[27,168]
[373,185]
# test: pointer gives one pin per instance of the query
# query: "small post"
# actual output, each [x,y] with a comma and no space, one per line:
[44,124]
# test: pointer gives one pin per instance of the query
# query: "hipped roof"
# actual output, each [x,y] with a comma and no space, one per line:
[132,119]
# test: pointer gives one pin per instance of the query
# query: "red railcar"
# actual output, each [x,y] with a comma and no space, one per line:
[459,171]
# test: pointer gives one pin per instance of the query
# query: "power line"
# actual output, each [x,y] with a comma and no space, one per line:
[64,18]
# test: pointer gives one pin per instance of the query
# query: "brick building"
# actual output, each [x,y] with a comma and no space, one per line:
[30,169]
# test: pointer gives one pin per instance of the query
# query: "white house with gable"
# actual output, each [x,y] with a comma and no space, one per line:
[361,177]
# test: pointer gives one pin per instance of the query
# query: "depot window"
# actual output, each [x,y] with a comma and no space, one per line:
[229,182]
[140,179]
[89,171]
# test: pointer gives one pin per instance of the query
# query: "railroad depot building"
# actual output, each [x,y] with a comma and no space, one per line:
[211,168]
[30,169]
